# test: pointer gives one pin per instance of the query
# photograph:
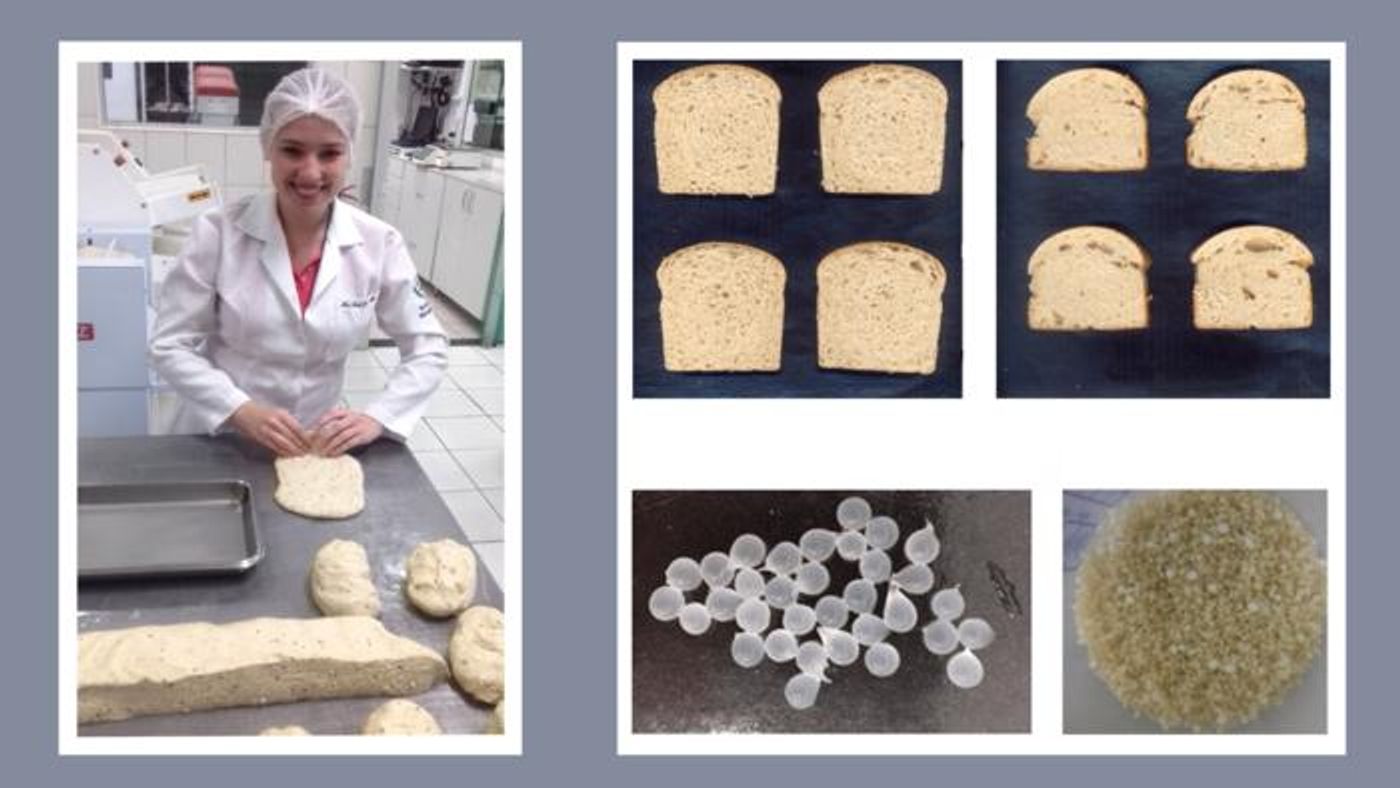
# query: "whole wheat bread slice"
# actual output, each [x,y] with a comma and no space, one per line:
[1248,121]
[879,307]
[1252,277]
[1088,120]
[882,131]
[1088,278]
[716,131]
[721,309]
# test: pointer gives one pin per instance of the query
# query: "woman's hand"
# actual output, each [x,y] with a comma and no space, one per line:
[341,430]
[274,428]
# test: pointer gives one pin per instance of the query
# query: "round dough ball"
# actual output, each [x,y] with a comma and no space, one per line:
[400,717]
[341,584]
[477,653]
[284,730]
[441,577]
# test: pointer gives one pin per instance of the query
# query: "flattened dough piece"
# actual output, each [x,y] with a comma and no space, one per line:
[400,717]
[441,577]
[497,724]
[330,488]
[284,730]
[341,584]
[477,653]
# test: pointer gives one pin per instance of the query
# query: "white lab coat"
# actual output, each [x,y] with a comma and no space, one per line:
[231,329]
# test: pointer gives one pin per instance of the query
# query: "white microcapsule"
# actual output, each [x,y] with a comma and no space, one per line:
[683,573]
[842,648]
[748,583]
[869,629]
[723,603]
[914,578]
[783,559]
[753,615]
[922,546]
[747,649]
[975,633]
[817,544]
[812,579]
[941,637]
[882,660]
[859,596]
[780,645]
[875,566]
[852,512]
[882,532]
[748,550]
[716,569]
[947,604]
[799,619]
[666,603]
[832,611]
[801,691]
[781,592]
[850,545]
[965,669]
[900,614]
[811,658]
[695,619]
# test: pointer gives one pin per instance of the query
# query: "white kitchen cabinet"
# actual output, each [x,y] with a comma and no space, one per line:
[419,214]
[388,199]
[466,244]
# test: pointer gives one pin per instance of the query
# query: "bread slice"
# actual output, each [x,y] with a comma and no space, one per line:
[882,131]
[879,307]
[717,131]
[1088,279]
[1248,121]
[721,309]
[1252,277]
[1088,120]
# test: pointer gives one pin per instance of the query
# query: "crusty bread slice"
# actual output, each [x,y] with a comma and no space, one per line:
[721,309]
[1250,120]
[879,307]
[1088,278]
[1088,120]
[717,131]
[1252,277]
[882,131]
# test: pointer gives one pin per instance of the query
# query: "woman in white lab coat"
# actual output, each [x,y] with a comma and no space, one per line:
[272,292]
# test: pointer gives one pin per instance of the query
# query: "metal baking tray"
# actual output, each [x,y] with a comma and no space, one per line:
[176,528]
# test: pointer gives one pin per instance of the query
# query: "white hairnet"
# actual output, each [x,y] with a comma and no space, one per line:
[310,91]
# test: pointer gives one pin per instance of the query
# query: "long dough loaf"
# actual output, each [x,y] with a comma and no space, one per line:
[191,667]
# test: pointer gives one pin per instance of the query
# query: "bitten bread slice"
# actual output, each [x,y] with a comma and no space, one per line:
[882,131]
[1088,120]
[1088,278]
[721,309]
[1251,120]
[1252,277]
[717,131]
[879,306]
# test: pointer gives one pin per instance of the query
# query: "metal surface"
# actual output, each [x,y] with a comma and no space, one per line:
[401,510]
[148,530]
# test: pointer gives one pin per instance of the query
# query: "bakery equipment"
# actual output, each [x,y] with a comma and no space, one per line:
[215,95]
[430,87]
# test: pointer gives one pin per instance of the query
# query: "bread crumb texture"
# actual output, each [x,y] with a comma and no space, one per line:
[879,307]
[1088,120]
[1201,609]
[1088,278]
[721,309]
[882,131]
[1248,121]
[1252,277]
[716,131]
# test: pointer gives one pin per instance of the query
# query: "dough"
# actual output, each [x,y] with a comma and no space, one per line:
[497,723]
[400,717]
[441,577]
[477,653]
[285,730]
[340,580]
[331,488]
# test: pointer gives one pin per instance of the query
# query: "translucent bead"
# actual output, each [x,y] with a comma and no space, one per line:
[753,615]
[882,660]
[716,569]
[947,604]
[666,603]
[812,579]
[965,670]
[941,637]
[900,614]
[748,550]
[875,566]
[842,648]
[723,603]
[811,658]
[748,583]
[817,544]
[914,578]
[781,591]
[832,611]
[780,645]
[799,619]
[683,573]
[747,649]
[695,619]
[801,691]
[783,559]
[850,545]
[975,633]
[852,512]
[922,546]
[859,596]
[882,532]
[869,629]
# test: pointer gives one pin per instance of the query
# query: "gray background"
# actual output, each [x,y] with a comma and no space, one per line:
[569,374]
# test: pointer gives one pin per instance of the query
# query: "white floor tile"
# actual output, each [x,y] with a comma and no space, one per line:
[492,402]
[472,432]
[497,499]
[500,421]
[486,467]
[365,379]
[361,358]
[424,439]
[475,516]
[388,357]
[466,356]
[451,402]
[443,471]
[493,554]
[477,377]
[496,355]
